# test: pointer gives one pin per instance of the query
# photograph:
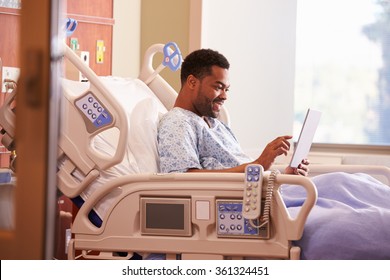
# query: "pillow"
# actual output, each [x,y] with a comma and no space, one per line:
[143,134]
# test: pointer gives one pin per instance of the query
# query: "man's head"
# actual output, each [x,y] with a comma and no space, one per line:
[205,82]
[199,63]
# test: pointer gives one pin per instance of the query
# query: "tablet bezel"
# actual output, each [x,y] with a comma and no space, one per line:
[306,137]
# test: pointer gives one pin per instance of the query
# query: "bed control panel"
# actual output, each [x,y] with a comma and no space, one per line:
[252,191]
[94,114]
[231,222]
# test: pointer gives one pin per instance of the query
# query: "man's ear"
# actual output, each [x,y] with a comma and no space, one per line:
[191,81]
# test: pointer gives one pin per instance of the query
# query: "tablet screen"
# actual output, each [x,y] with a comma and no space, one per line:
[305,137]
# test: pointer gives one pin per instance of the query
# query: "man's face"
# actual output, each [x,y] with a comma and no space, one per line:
[212,92]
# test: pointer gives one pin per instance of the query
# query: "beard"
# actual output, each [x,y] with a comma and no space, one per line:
[208,107]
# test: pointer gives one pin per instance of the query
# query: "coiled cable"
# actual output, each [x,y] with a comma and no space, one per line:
[268,200]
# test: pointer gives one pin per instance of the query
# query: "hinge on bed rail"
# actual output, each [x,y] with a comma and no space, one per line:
[68,184]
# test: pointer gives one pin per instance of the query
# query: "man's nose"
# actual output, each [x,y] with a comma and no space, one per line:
[224,94]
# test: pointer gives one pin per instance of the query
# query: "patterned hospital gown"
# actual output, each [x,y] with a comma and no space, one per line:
[186,141]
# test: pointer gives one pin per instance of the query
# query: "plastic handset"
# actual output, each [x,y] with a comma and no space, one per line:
[252,191]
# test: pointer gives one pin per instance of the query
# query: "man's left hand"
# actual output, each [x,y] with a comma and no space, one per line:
[302,169]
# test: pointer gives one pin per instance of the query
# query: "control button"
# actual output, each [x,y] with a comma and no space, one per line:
[232,227]
[222,227]
[222,216]
[232,216]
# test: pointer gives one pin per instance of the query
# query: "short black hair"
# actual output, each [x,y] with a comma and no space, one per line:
[199,63]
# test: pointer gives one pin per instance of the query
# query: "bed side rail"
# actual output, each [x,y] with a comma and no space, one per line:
[191,183]
[7,119]
[295,226]
[84,117]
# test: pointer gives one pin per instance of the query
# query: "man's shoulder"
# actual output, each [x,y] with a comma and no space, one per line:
[177,115]
[178,119]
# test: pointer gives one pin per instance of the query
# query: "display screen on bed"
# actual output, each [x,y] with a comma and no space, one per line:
[165,216]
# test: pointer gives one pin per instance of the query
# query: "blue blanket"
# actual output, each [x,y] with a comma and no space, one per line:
[351,219]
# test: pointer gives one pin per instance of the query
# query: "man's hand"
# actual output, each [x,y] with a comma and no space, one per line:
[279,146]
[302,169]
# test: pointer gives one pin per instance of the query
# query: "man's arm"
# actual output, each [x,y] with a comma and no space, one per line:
[279,146]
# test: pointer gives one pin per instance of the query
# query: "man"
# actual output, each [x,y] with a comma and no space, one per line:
[192,139]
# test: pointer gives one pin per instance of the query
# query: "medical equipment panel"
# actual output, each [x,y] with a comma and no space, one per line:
[93,112]
[172,217]
[231,222]
[165,216]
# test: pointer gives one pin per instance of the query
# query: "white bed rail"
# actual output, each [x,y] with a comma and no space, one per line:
[78,128]
[7,121]
[120,232]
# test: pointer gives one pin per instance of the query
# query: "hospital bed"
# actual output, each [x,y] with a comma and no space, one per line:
[110,170]
[180,215]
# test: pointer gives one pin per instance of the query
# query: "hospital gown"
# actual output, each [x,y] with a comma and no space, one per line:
[186,141]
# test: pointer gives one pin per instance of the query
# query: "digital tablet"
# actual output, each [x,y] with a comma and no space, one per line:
[306,136]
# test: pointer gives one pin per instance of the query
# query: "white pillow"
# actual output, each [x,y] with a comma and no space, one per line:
[143,134]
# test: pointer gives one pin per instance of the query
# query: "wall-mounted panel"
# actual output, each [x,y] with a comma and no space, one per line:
[9,36]
[95,27]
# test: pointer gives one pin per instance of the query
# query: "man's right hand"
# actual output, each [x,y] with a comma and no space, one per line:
[277,147]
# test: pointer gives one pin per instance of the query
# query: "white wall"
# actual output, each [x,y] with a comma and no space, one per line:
[258,39]
[126,38]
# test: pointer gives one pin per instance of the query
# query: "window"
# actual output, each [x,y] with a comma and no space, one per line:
[343,69]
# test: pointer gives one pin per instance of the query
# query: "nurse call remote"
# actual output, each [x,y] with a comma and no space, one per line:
[252,191]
